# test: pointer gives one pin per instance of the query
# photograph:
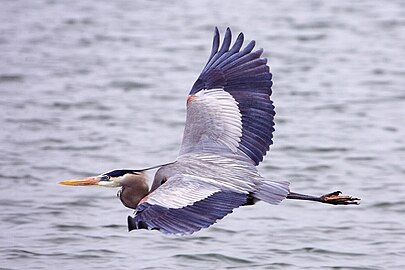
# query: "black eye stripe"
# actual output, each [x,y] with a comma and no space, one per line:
[117,173]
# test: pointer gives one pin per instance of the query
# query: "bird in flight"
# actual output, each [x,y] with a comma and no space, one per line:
[229,129]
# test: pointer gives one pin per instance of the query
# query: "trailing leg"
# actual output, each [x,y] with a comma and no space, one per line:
[331,198]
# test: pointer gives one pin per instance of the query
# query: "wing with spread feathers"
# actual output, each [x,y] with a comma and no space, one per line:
[185,204]
[229,107]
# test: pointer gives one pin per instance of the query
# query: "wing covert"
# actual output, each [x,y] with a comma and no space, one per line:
[213,124]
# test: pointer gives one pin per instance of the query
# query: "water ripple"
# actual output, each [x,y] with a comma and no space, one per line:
[212,257]
[90,87]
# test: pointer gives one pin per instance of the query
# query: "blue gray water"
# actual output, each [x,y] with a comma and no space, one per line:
[89,86]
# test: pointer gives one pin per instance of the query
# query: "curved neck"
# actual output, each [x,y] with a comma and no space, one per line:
[134,188]
[131,196]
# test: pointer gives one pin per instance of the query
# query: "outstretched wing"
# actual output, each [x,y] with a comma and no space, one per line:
[185,204]
[229,106]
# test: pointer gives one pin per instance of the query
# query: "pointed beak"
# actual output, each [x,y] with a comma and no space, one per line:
[88,181]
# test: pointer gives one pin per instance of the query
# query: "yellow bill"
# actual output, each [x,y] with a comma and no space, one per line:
[87,181]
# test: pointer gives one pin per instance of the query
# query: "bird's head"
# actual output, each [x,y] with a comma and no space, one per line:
[115,178]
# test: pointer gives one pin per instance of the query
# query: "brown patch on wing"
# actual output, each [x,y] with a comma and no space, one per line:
[190,98]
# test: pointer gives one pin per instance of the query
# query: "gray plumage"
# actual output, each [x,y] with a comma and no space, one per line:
[229,129]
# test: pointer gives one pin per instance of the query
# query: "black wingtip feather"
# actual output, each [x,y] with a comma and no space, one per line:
[215,44]
[238,43]
[131,224]
[227,41]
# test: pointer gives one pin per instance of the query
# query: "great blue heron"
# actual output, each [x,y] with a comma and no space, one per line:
[229,126]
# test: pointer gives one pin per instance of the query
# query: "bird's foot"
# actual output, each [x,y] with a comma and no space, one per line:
[336,199]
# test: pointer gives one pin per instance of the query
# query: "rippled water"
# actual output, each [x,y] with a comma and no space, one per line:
[90,86]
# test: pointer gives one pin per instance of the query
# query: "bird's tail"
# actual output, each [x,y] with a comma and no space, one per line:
[272,192]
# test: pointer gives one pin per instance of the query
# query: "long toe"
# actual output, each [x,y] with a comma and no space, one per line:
[337,199]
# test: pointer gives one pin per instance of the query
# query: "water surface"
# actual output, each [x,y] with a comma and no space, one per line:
[87,87]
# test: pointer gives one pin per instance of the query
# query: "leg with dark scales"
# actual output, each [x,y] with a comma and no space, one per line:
[331,198]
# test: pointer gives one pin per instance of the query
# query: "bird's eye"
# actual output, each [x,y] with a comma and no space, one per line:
[104,177]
